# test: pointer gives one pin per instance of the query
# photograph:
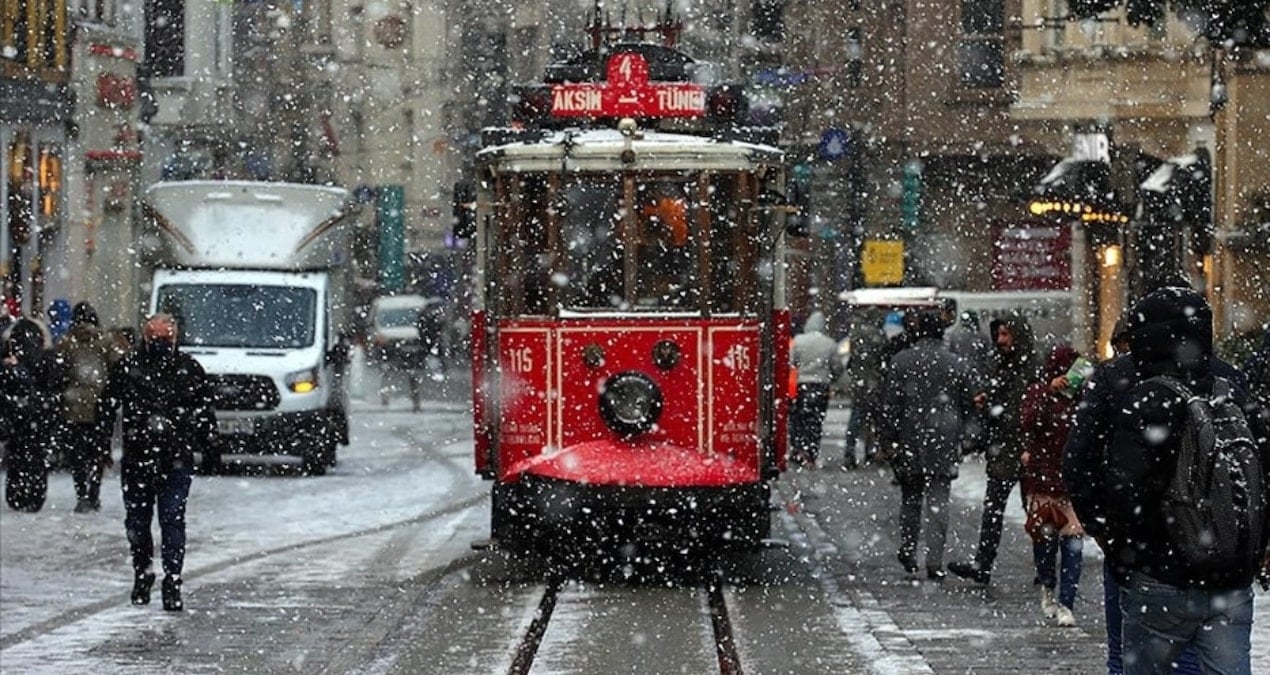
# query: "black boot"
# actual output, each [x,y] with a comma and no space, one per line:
[971,571]
[172,594]
[141,588]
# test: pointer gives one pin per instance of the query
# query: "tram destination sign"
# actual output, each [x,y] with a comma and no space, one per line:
[628,93]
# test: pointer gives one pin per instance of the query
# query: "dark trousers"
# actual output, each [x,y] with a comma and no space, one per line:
[994,500]
[934,491]
[144,489]
[87,447]
[807,420]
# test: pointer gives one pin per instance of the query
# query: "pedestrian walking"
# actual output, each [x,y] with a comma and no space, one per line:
[1185,575]
[82,361]
[924,411]
[1013,369]
[871,355]
[1085,466]
[29,414]
[167,413]
[1046,418]
[814,354]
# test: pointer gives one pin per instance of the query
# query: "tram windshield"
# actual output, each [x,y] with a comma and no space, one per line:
[669,242]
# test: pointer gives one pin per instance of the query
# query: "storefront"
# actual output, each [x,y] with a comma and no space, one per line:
[32,194]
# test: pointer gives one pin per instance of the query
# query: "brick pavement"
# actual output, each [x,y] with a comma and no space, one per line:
[956,626]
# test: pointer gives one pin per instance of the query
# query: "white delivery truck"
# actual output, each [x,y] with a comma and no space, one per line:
[254,274]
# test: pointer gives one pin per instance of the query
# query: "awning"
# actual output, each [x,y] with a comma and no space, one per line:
[1078,180]
[1179,190]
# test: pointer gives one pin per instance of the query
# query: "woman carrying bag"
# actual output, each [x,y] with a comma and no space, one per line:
[1045,419]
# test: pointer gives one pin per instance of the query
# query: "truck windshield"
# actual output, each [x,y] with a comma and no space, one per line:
[235,315]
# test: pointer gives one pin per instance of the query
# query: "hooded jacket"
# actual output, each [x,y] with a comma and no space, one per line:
[1012,372]
[1046,418]
[1170,333]
[925,406]
[28,397]
[814,354]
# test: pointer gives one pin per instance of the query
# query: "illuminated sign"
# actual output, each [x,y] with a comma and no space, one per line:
[628,93]
[1086,213]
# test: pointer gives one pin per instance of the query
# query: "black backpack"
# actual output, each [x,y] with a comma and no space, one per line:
[1215,503]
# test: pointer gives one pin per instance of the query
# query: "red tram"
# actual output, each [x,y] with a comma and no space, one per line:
[630,338]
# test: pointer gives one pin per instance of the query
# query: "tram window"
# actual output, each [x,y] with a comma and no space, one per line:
[590,215]
[667,270]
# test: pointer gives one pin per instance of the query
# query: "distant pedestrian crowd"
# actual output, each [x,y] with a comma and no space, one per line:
[1161,454]
[61,383]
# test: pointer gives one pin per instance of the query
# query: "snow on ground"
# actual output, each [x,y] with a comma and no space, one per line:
[56,560]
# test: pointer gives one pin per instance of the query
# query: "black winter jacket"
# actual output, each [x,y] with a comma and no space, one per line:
[167,408]
[1171,335]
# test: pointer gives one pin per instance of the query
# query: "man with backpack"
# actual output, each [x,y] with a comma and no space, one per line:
[83,359]
[1184,497]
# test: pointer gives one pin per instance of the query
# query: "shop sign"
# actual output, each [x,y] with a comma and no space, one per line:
[882,262]
[1032,257]
[116,91]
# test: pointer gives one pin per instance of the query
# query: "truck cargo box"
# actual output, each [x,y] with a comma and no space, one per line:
[249,225]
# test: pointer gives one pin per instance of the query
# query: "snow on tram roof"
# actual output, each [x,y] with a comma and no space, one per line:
[600,150]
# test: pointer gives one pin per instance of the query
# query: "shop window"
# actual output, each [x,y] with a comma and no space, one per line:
[855,56]
[768,20]
[981,51]
[165,38]
[33,33]
[21,176]
[13,30]
[981,63]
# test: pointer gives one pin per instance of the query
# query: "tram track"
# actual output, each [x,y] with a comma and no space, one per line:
[713,608]
[423,577]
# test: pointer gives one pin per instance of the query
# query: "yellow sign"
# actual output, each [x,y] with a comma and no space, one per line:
[883,262]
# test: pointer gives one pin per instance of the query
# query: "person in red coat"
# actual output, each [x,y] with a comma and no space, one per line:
[1045,418]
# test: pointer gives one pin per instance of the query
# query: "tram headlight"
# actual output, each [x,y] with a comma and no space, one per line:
[630,403]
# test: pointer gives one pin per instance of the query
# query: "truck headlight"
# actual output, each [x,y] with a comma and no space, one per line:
[630,403]
[303,382]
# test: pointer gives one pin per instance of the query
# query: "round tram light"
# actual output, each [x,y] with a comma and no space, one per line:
[593,355]
[630,403]
[1036,208]
[666,354]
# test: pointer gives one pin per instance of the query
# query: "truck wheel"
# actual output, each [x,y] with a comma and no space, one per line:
[212,465]
[314,464]
[315,455]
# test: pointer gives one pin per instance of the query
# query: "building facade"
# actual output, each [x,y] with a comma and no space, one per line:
[1183,121]
[36,108]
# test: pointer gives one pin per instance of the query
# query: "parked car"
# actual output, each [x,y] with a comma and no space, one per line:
[405,341]
[394,339]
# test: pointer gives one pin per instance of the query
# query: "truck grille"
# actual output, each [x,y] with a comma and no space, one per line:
[243,392]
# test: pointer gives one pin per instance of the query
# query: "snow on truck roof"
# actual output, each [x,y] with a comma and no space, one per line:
[599,150]
[249,224]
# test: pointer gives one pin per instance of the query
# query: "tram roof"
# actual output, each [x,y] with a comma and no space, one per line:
[576,150]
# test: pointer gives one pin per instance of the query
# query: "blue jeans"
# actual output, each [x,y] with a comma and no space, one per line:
[144,488]
[1045,554]
[1187,663]
[1160,620]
